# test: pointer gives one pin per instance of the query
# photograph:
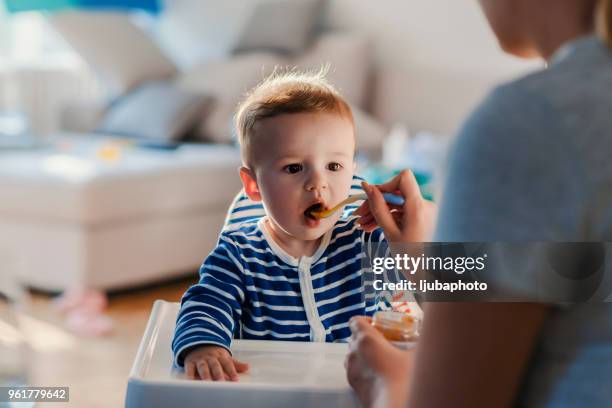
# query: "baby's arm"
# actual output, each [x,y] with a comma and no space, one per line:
[210,311]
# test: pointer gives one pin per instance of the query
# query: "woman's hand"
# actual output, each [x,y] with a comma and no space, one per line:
[412,222]
[377,371]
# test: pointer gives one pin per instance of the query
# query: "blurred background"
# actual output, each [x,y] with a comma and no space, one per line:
[117,156]
[420,63]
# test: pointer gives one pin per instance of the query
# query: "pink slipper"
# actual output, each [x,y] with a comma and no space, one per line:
[81,298]
[89,325]
[84,309]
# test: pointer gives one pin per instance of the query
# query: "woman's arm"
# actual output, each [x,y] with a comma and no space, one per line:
[473,354]
[469,355]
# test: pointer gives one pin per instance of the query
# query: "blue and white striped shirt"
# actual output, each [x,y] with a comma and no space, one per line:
[251,288]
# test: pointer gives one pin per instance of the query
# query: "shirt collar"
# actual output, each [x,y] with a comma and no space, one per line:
[283,255]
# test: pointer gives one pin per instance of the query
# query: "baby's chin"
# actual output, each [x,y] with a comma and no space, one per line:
[310,233]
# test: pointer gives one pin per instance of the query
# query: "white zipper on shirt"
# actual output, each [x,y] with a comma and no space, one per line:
[310,305]
[303,265]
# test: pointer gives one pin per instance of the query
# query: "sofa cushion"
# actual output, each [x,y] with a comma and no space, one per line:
[120,52]
[226,81]
[350,59]
[156,110]
[284,26]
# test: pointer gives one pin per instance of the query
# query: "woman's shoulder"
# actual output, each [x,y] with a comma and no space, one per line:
[577,78]
[511,114]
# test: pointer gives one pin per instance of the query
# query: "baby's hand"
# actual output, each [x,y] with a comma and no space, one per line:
[211,362]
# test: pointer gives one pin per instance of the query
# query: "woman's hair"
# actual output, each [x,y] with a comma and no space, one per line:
[603,21]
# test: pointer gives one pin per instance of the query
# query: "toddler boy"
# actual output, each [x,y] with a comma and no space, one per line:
[289,275]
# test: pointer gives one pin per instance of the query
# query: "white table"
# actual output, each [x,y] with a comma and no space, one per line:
[282,374]
[85,212]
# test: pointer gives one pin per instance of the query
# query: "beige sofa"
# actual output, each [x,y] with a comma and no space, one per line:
[153,215]
[90,212]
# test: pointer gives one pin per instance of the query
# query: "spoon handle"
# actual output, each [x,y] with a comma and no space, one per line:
[394,199]
[389,198]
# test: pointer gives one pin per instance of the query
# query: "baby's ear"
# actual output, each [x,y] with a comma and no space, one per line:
[250,184]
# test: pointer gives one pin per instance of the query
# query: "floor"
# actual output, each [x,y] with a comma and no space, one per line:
[95,369]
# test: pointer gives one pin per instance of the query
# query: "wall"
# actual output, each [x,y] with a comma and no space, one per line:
[435,58]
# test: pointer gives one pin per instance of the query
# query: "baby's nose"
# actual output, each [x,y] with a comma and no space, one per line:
[316,182]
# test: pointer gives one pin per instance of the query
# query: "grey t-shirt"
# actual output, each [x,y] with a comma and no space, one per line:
[534,163]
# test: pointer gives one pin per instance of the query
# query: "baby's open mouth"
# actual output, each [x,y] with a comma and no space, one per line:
[309,213]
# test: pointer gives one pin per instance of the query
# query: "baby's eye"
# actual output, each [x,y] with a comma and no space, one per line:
[334,166]
[292,168]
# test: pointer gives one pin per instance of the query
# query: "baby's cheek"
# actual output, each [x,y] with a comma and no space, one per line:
[345,185]
[281,211]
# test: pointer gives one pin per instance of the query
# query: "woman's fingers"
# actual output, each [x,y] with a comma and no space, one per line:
[404,184]
[398,216]
[412,222]
[369,227]
[354,370]
[368,222]
[408,186]
[361,325]
[362,332]
[363,209]
[381,212]
[366,219]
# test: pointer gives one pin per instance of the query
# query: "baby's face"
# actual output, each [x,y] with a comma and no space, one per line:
[301,160]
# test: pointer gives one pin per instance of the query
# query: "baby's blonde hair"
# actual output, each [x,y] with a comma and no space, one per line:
[286,91]
[603,23]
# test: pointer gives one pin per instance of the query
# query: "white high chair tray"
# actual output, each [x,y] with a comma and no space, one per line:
[281,373]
